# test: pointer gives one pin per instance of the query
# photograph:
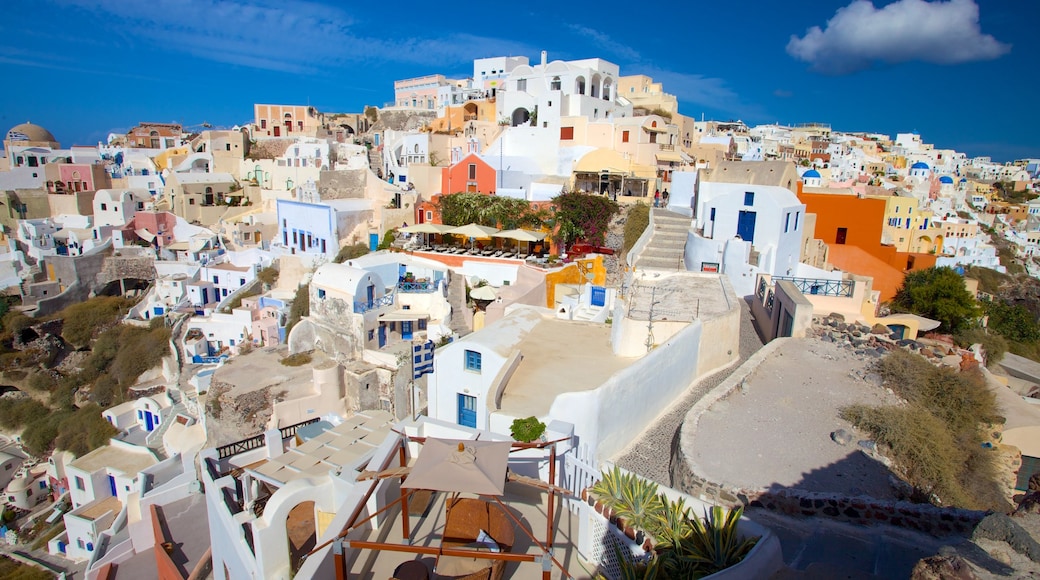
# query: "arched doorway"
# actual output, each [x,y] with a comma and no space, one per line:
[579,85]
[301,532]
[469,112]
[594,88]
[521,116]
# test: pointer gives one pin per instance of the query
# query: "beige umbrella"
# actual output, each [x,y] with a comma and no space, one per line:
[473,231]
[427,228]
[455,465]
[483,293]
[520,236]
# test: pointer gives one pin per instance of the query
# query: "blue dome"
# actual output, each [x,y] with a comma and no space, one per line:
[812,173]
[964,180]
[919,165]
[945,179]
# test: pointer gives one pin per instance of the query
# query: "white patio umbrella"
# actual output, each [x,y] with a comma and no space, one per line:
[473,231]
[520,236]
[483,293]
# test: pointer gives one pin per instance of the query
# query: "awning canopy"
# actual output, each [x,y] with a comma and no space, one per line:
[650,129]
[671,156]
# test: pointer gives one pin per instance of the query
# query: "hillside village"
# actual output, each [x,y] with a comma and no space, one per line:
[228,351]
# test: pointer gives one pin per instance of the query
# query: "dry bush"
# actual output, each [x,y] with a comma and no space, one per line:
[297,360]
[935,439]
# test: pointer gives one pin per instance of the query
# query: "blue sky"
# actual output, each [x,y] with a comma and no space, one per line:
[961,73]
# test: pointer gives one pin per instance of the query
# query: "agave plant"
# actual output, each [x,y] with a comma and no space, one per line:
[713,544]
[638,503]
[646,570]
[672,522]
[608,489]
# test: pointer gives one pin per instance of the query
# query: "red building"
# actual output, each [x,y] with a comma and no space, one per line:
[470,175]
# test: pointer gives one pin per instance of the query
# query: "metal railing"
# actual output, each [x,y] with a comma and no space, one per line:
[821,286]
[769,302]
[231,449]
[291,430]
[416,287]
[363,307]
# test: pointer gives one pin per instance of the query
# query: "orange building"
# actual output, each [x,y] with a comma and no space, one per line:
[470,175]
[847,220]
[428,211]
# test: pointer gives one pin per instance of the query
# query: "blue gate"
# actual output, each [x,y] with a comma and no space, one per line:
[406,329]
[373,242]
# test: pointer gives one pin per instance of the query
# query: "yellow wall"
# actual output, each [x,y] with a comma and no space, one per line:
[573,275]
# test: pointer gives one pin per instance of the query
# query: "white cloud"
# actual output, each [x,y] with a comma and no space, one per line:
[860,35]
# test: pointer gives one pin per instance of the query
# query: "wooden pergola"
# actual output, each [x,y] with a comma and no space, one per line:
[340,544]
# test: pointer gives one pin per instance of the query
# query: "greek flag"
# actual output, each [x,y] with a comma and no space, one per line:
[422,359]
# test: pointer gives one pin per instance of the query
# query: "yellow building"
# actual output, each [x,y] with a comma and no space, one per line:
[909,228]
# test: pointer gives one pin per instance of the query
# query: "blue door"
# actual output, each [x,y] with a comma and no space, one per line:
[112,485]
[371,294]
[373,242]
[599,296]
[467,411]
[746,226]
[148,425]
[406,330]
[382,336]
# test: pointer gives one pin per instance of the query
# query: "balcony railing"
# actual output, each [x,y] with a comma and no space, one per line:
[822,287]
[416,287]
[363,307]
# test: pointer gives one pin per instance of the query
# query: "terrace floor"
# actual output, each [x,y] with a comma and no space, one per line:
[527,503]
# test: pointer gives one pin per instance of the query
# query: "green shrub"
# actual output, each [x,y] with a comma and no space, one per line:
[388,240]
[297,360]
[11,570]
[527,430]
[301,306]
[15,322]
[84,319]
[635,224]
[17,413]
[268,275]
[935,439]
[350,252]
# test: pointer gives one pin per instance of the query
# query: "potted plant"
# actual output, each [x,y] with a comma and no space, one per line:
[527,430]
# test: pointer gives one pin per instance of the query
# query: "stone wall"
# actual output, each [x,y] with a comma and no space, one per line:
[403,119]
[344,184]
[121,267]
[927,518]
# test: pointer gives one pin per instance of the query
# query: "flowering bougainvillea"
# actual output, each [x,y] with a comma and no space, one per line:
[582,216]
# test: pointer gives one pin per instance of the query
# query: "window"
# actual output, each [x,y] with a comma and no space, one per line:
[371,335]
[242,281]
[104,207]
[228,146]
[429,215]
[472,171]
[263,123]
[749,198]
[566,133]
[787,223]
[321,293]
[216,280]
[7,467]
[191,201]
[797,214]
[521,84]
[473,361]
[712,218]
[555,85]
[624,136]
[80,484]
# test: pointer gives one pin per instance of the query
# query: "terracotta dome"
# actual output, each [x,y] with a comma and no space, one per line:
[30,132]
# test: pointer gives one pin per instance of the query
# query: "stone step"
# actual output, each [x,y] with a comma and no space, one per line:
[658,264]
[663,254]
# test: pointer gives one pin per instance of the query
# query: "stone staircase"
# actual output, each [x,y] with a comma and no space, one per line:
[375,159]
[457,299]
[154,439]
[667,246]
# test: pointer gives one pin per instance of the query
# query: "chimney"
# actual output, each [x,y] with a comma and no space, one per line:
[545,56]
